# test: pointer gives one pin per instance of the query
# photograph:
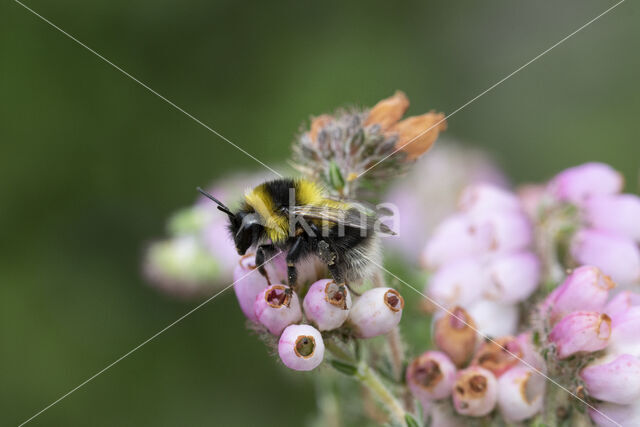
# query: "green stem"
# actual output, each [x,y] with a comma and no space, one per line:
[368,378]
[338,351]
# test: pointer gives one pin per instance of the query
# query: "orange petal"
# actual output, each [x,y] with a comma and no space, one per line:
[317,123]
[388,111]
[418,133]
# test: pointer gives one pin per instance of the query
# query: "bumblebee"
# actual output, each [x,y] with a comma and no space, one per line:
[297,217]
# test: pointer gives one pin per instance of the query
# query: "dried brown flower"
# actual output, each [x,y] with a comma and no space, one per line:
[418,133]
[387,112]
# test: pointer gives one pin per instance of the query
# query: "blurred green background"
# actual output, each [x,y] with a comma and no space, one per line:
[92,164]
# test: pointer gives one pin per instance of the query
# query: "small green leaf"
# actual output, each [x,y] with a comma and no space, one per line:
[345,368]
[335,176]
[411,421]
[536,338]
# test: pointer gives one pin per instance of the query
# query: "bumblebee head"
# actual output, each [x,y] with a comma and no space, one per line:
[245,227]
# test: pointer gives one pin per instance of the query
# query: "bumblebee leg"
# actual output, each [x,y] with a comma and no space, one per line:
[293,256]
[262,254]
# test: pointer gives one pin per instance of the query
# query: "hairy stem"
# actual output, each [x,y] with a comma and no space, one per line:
[369,379]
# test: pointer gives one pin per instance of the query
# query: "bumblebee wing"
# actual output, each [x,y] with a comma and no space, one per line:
[355,216]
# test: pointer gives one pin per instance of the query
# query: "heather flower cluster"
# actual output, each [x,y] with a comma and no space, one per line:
[530,314]
[481,258]
[323,307]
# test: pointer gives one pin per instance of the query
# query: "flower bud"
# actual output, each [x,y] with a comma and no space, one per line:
[454,238]
[618,214]
[387,112]
[418,133]
[247,285]
[277,307]
[520,393]
[327,304]
[586,288]
[581,331]
[514,277]
[494,319]
[578,183]
[301,347]
[611,414]
[619,304]
[487,198]
[499,355]
[455,334]
[614,380]
[458,283]
[510,230]
[475,392]
[617,256]
[431,376]
[376,312]
[530,356]
[625,337]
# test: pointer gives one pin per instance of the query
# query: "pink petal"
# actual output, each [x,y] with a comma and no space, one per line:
[616,381]
[617,256]
[619,214]
[581,331]
[578,183]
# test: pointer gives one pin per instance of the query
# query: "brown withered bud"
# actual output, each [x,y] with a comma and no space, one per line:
[417,134]
[317,123]
[498,356]
[455,334]
[387,112]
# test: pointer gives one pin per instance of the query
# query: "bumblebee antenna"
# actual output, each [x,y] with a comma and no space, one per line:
[221,205]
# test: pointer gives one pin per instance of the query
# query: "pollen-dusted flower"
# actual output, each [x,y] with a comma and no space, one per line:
[581,331]
[578,183]
[430,376]
[499,355]
[388,112]
[301,347]
[618,256]
[586,288]
[376,312]
[418,133]
[455,334]
[616,380]
[276,307]
[520,393]
[475,392]
[327,304]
